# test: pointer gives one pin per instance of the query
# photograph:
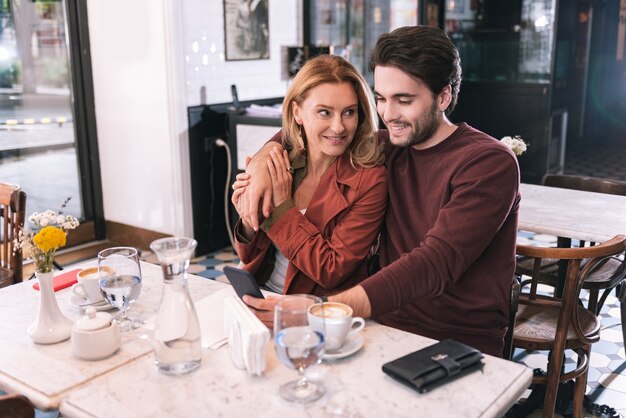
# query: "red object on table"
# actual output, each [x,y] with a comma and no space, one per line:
[62,280]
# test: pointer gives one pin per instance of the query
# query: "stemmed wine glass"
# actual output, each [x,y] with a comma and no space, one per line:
[120,281]
[298,346]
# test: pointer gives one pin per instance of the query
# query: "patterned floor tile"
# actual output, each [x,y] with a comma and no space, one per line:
[605,347]
[210,262]
[210,273]
[602,161]
[613,334]
[594,375]
[609,396]
[196,268]
[614,381]
[618,365]
[227,256]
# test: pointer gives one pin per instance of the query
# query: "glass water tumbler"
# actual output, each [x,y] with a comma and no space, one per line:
[177,330]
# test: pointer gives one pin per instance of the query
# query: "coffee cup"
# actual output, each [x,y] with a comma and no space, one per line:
[88,286]
[335,321]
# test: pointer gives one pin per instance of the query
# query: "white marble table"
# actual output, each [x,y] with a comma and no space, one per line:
[356,386]
[129,384]
[46,373]
[571,213]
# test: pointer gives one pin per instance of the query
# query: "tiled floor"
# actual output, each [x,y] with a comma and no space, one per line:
[607,161]
[607,375]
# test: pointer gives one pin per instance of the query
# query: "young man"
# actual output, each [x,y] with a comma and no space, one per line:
[448,244]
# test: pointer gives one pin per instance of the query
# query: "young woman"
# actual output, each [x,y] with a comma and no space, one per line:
[329,187]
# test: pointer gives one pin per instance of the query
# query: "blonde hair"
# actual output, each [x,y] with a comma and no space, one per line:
[365,149]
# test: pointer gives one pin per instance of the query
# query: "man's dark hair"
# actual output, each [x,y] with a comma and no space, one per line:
[423,52]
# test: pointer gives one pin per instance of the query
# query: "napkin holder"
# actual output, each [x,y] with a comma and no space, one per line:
[247,336]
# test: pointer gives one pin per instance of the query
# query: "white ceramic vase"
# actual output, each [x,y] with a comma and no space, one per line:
[50,326]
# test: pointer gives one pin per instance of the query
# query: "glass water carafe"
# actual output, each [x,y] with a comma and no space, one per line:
[176,330]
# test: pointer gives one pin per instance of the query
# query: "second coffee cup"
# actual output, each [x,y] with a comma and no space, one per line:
[336,321]
[88,286]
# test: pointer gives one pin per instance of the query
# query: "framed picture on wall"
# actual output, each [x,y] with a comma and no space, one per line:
[246,30]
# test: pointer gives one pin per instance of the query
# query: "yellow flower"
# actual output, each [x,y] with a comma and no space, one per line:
[49,238]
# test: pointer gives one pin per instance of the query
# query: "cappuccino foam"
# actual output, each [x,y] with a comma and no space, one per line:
[331,310]
[93,273]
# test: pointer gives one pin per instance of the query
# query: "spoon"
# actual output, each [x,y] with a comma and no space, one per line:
[97,303]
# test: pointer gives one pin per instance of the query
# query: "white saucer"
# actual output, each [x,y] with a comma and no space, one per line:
[352,344]
[76,301]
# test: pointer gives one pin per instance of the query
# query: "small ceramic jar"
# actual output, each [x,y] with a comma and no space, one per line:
[95,336]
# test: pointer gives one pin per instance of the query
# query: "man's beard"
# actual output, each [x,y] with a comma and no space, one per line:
[425,128]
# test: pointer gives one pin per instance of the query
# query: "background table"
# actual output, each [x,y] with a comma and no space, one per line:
[569,213]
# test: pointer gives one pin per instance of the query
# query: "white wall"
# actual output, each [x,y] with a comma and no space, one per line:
[255,79]
[142,85]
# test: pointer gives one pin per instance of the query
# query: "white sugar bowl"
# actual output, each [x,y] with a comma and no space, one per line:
[95,336]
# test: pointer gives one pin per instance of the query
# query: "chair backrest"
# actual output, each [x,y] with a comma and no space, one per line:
[16,406]
[12,215]
[513,305]
[584,183]
[575,277]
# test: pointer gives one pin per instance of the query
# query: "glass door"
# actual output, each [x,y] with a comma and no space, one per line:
[39,148]
[351,27]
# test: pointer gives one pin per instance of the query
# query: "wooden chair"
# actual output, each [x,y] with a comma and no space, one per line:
[16,406]
[556,324]
[12,214]
[612,274]
[513,307]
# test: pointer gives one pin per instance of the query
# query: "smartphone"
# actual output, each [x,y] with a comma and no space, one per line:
[243,281]
[63,280]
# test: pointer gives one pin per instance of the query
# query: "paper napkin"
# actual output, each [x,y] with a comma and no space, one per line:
[247,336]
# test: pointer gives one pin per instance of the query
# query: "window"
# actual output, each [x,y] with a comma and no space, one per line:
[45,118]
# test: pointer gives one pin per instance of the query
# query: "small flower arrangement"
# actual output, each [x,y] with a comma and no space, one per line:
[48,234]
[517,144]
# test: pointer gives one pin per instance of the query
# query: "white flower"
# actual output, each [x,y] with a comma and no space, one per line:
[516,144]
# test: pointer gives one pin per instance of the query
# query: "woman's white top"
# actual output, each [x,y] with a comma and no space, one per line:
[277,278]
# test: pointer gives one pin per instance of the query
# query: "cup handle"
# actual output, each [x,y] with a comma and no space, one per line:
[358,324]
[78,290]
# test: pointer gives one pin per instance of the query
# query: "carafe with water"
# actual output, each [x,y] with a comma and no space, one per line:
[177,330]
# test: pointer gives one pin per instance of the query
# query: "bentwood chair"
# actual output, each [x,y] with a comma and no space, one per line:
[12,213]
[612,274]
[16,406]
[546,322]
[513,307]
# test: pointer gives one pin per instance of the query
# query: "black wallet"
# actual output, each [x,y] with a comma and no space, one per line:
[432,366]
